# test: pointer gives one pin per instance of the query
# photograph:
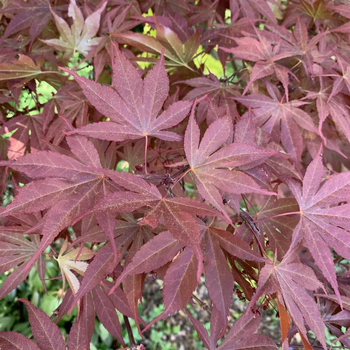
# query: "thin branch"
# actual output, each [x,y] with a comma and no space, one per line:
[129,330]
[277,216]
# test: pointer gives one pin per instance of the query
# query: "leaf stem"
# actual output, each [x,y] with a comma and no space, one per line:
[146,146]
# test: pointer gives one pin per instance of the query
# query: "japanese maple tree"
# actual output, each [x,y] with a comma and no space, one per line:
[197,143]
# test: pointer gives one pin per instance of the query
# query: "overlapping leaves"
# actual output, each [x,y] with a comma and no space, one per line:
[234,203]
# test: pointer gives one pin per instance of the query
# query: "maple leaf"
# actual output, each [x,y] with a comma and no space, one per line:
[179,284]
[336,107]
[14,340]
[219,93]
[218,276]
[16,250]
[178,214]
[69,102]
[152,255]
[291,280]
[280,120]
[45,332]
[34,15]
[27,134]
[279,165]
[342,80]
[79,37]
[91,232]
[167,41]
[132,104]
[264,53]
[278,229]
[181,211]
[316,10]
[21,68]
[104,262]
[300,43]
[210,165]
[163,247]
[323,222]
[211,86]
[72,261]
[344,10]
[334,318]
[106,313]
[65,186]
[241,336]
[83,328]
[252,9]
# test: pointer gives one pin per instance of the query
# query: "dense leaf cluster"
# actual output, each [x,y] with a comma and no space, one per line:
[130,155]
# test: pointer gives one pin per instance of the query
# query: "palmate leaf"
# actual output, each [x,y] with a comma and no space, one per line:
[277,220]
[106,313]
[16,341]
[243,335]
[234,245]
[300,43]
[254,9]
[16,250]
[78,37]
[34,14]
[45,332]
[104,262]
[333,317]
[68,202]
[72,191]
[246,131]
[28,135]
[154,254]
[73,260]
[265,54]
[323,222]
[209,86]
[210,165]
[291,280]
[179,280]
[218,279]
[132,104]
[214,207]
[336,107]
[176,53]
[83,327]
[23,68]
[278,229]
[281,120]
[178,215]
[179,283]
